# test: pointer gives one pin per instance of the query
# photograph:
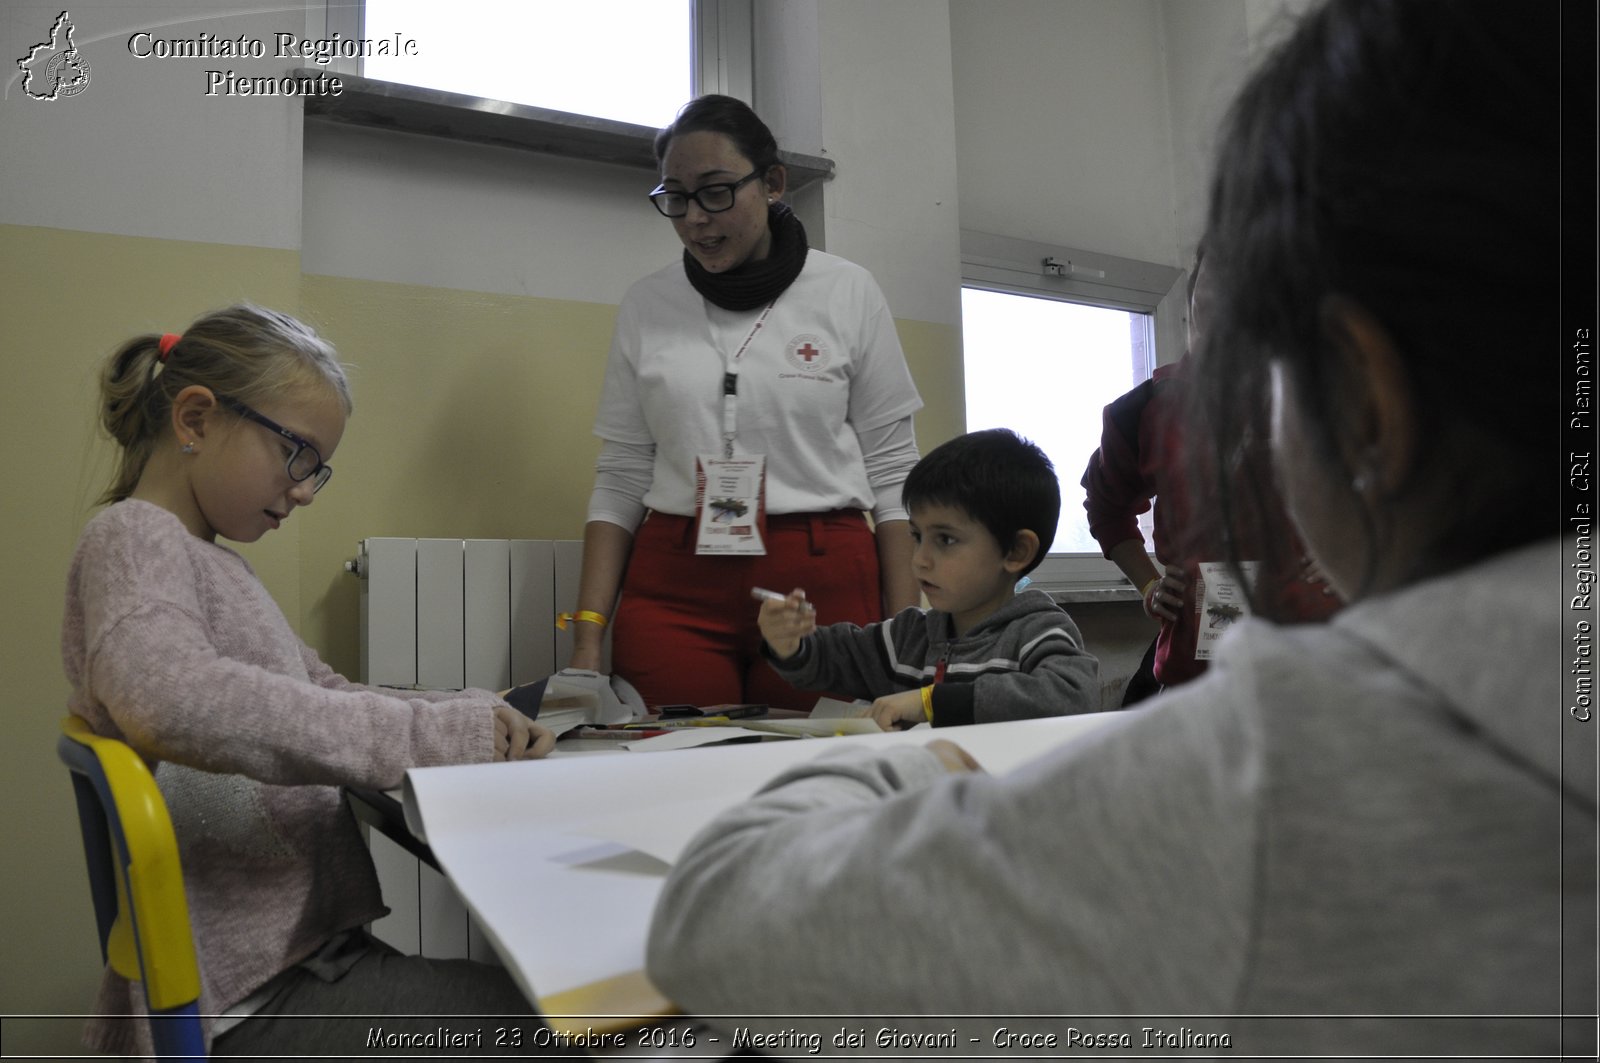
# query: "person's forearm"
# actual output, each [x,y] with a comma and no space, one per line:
[895,578]
[1129,556]
[606,547]
[1015,897]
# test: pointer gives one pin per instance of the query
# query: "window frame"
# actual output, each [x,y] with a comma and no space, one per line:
[722,46]
[1012,266]
[398,107]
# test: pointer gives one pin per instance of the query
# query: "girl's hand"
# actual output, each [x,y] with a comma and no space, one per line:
[783,624]
[1165,596]
[518,738]
[956,761]
[900,710]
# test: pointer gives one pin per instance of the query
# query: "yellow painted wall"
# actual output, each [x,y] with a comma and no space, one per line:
[933,352]
[472,419]
[473,416]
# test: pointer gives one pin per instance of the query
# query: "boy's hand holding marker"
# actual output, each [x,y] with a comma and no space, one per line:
[784,620]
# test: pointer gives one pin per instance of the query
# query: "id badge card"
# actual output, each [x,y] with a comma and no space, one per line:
[730,505]
[1221,602]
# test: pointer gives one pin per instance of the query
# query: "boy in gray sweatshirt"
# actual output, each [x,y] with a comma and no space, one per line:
[983,511]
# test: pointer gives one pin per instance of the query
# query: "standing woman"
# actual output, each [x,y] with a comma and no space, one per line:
[756,402]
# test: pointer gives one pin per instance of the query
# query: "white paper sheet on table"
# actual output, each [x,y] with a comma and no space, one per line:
[833,708]
[561,860]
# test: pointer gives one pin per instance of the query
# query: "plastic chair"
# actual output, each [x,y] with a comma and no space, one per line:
[137,883]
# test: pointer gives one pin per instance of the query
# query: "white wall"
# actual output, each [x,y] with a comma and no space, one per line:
[143,151]
[888,102]
[1091,123]
[447,214]
[1205,45]
[1269,21]
[1062,127]
[788,94]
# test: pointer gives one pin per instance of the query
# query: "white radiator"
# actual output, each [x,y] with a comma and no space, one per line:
[443,614]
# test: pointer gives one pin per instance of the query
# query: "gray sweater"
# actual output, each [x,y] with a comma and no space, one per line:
[1363,818]
[1024,660]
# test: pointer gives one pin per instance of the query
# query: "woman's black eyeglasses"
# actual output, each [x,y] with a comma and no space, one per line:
[713,199]
[305,461]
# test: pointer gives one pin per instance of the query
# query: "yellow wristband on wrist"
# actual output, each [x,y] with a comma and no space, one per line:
[587,616]
[1144,592]
[927,702]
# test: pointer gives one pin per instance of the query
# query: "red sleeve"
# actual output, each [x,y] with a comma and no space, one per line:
[1118,484]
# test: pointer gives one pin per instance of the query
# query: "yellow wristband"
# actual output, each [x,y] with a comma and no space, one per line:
[587,616]
[1144,592]
[927,702]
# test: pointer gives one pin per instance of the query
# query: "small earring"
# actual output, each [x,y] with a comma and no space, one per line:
[187,448]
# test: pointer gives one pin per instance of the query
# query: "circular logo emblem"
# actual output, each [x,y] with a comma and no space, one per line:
[807,353]
[67,74]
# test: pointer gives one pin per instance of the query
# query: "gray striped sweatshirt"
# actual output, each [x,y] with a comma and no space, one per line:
[1025,660]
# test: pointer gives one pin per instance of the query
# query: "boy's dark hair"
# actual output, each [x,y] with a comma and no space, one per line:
[996,477]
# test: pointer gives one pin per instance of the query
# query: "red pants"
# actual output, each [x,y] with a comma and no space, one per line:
[685,627]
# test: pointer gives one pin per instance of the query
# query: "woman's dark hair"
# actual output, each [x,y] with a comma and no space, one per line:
[733,119]
[1400,156]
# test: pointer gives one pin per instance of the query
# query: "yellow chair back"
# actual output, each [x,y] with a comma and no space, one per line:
[137,882]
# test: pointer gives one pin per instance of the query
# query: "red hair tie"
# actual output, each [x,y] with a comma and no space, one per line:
[168,341]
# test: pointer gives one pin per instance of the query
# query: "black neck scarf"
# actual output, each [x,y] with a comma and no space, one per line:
[756,283]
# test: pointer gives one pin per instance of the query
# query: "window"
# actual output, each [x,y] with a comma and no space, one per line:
[1050,336]
[1071,360]
[654,56]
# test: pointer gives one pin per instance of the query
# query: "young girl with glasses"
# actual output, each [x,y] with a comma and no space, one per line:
[172,645]
[756,403]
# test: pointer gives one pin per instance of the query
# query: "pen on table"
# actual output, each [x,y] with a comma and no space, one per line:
[627,734]
[764,595]
[670,725]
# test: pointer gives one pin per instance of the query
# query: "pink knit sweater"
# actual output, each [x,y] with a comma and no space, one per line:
[173,645]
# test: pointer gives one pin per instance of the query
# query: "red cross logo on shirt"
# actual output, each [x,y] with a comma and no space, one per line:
[808,352]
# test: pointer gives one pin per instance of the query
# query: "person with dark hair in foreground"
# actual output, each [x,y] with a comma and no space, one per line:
[1340,821]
